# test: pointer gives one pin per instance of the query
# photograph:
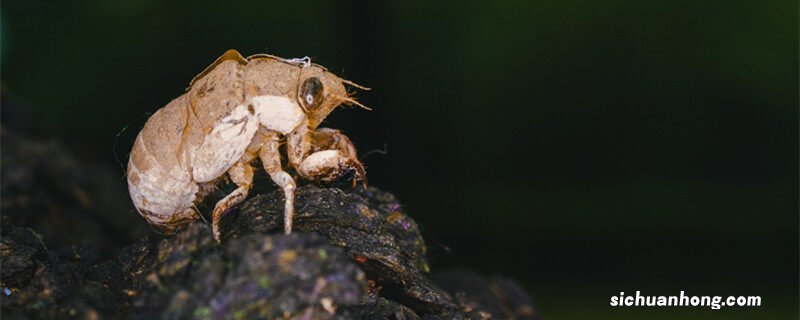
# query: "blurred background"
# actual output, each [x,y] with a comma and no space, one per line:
[582,148]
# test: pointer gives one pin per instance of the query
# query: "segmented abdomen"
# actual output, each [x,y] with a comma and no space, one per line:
[159,173]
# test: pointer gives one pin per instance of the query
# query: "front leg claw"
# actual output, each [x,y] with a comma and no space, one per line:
[329,165]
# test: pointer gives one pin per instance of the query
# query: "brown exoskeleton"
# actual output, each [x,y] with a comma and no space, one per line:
[234,111]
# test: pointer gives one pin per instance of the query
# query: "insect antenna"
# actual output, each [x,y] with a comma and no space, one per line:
[356,85]
[349,101]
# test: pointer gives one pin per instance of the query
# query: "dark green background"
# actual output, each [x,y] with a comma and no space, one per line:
[582,147]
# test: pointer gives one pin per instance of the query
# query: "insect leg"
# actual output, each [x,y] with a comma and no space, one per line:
[271,159]
[298,145]
[332,139]
[333,155]
[242,175]
[329,165]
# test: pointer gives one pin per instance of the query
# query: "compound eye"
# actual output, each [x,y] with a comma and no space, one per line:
[311,93]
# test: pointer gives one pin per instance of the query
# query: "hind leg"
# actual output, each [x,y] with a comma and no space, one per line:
[242,175]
